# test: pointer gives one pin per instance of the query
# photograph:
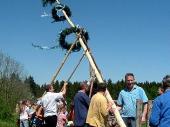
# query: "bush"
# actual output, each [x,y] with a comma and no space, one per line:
[7,124]
[5,113]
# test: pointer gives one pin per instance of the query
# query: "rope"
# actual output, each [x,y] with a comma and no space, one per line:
[65,58]
[99,76]
[76,67]
[63,62]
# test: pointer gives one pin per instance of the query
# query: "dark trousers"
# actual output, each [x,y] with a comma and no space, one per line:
[51,121]
[85,125]
[129,121]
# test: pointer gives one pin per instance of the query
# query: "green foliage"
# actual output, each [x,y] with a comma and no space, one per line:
[14,88]
[45,2]
[7,124]
[5,113]
[115,88]
[151,89]
[65,45]
[35,89]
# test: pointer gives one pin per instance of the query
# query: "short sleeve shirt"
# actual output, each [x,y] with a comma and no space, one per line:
[24,113]
[49,103]
[97,113]
[128,100]
[81,105]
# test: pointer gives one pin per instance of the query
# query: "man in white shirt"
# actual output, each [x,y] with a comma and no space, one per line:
[48,102]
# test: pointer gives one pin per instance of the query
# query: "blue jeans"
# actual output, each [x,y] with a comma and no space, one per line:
[24,123]
[129,121]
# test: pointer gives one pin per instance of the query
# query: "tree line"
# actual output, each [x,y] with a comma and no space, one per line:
[15,86]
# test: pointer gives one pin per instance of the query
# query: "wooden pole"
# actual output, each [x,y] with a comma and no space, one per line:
[149,111]
[139,105]
[75,68]
[91,79]
[97,73]
[62,64]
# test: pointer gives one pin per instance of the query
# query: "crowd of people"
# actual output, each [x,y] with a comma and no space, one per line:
[51,109]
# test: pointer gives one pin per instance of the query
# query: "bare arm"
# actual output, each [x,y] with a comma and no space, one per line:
[64,88]
[119,107]
[39,112]
[144,112]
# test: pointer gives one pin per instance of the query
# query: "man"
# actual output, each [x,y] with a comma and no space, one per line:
[48,102]
[99,108]
[127,101]
[160,115]
[81,105]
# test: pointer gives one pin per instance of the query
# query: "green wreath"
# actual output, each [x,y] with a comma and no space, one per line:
[45,2]
[65,45]
[60,7]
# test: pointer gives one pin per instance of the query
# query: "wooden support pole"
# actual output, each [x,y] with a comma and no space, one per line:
[149,111]
[97,73]
[75,68]
[139,107]
[62,64]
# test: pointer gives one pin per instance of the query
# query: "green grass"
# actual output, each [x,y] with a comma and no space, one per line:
[144,125]
[10,122]
[7,124]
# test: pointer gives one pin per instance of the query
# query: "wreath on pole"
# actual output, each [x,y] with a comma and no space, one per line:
[58,8]
[66,45]
[45,2]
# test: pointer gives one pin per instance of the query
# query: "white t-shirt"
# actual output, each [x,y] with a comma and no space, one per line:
[24,113]
[49,103]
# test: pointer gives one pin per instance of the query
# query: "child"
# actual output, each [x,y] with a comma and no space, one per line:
[160,90]
[61,117]
[24,114]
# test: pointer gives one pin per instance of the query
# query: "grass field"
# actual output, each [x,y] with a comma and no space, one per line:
[10,124]
[7,124]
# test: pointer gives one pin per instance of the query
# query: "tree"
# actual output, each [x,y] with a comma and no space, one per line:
[35,89]
[12,87]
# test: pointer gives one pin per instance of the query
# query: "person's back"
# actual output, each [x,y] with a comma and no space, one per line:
[98,109]
[81,105]
[164,104]
[160,114]
[49,104]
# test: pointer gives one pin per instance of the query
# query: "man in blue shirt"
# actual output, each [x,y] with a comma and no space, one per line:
[160,115]
[127,101]
[81,105]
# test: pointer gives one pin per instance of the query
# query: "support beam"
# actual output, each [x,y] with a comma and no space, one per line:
[97,72]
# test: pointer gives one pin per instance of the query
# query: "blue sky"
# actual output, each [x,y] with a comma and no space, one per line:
[125,36]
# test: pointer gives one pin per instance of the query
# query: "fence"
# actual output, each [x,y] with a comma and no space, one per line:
[139,109]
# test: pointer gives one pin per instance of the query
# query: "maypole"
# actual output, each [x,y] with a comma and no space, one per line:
[82,37]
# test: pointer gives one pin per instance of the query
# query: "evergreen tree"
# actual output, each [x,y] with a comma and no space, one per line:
[35,89]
